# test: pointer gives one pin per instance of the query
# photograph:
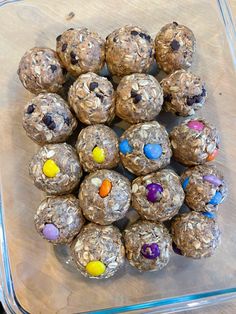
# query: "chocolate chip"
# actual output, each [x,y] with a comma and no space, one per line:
[175,45]
[48,121]
[145,36]
[134,33]
[203,94]
[133,93]
[100,96]
[58,38]
[137,99]
[70,29]
[72,55]
[114,39]
[193,100]
[30,108]
[150,53]
[53,67]
[74,61]
[67,121]
[63,48]
[167,98]
[64,71]
[175,23]
[93,85]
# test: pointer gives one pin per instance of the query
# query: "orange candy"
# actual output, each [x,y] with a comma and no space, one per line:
[213,155]
[105,188]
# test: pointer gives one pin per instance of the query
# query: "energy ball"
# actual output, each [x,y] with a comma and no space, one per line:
[204,188]
[81,51]
[139,98]
[194,142]
[48,119]
[98,251]
[41,71]
[93,99]
[157,196]
[175,46]
[195,235]
[129,49]
[184,93]
[97,147]
[145,147]
[59,219]
[105,196]
[147,245]
[55,169]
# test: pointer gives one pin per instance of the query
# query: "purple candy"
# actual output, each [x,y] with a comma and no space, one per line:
[212,179]
[154,192]
[50,232]
[150,251]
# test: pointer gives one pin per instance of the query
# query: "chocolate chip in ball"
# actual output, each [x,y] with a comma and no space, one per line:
[67,120]
[48,121]
[70,29]
[53,67]
[115,39]
[64,71]
[167,98]
[74,61]
[145,36]
[30,108]
[193,100]
[137,98]
[203,94]
[72,55]
[58,38]
[134,33]
[175,45]
[63,48]
[100,96]
[175,23]
[133,93]
[93,85]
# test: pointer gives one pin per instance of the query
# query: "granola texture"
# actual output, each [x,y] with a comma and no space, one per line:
[92,98]
[139,98]
[197,144]
[203,182]
[101,243]
[138,135]
[195,235]
[66,159]
[175,46]
[166,203]
[97,136]
[64,213]
[184,93]
[129,49]
[147,233]
[112,207]
[81,51]
[47,119]
[40,71]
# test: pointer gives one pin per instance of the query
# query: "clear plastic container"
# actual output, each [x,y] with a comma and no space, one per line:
[39,278]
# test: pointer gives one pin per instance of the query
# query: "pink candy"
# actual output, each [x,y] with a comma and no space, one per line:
[196,125]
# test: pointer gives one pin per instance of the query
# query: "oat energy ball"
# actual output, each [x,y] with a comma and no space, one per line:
[48,119]
[55,169]
[105,196]
[93,99]
[204,188]
[81,51]
[175,46]
[59,218]
[129,49]
[157,196]
[145,147]
[194,142]
[184,93]
[195,235]
[147,245]
[139,98]
[41,71]
[98,251]
[97,147]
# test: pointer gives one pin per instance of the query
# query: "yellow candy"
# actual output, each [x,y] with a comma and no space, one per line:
[50,168]
[95,268]
[98,155]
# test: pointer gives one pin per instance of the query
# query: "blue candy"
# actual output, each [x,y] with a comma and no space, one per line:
[216,199]
[209,215]
[125,148]
[152,151]
[185,183]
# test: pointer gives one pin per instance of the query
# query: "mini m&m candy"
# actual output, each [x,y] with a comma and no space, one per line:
[50,168]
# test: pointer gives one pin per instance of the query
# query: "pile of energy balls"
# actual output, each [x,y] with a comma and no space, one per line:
[82,214]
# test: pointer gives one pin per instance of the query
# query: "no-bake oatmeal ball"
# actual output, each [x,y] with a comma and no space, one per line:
[184,93]
[48,119]
[59,219]
[55,169]
[157,196]
[98,251]
[97,147]
[41,71]
[145,147]
[81,51]
[175,46]
[194,142]
[93,99]
[139,98]
[195,235]
[147,245]
[129,49]
[105,196]
[204,188]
